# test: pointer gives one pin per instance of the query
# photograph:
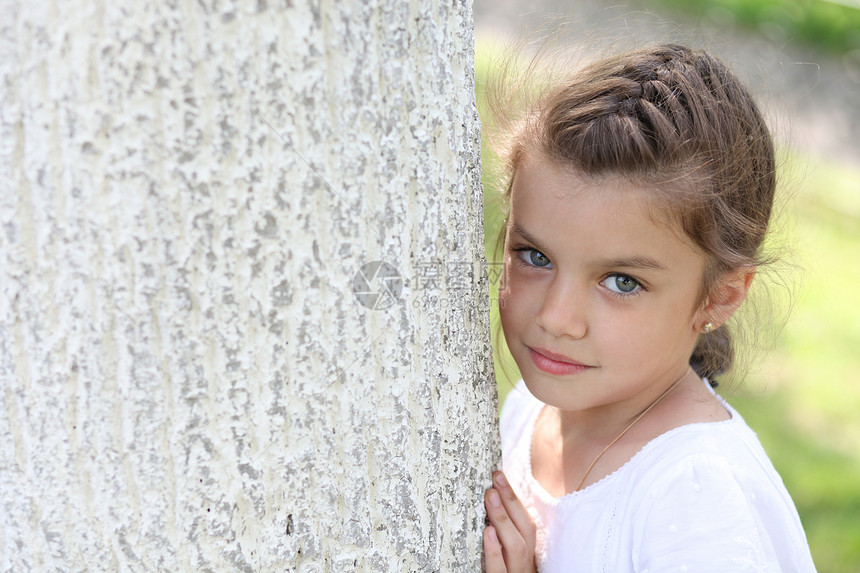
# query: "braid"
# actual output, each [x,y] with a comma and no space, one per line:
[713,354]
[681,123]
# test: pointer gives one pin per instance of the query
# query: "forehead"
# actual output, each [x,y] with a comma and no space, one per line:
[554,202]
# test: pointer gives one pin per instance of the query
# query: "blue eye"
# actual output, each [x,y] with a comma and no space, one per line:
[622,284]
[534,258]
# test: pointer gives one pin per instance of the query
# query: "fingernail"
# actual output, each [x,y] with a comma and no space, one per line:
[491,533]
[500,479]
[494,499]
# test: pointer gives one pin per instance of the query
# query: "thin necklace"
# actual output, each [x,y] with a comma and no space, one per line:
[563,421]
[621,435]
[630,425]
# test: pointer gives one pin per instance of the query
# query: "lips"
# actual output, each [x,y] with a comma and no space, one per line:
[556,364]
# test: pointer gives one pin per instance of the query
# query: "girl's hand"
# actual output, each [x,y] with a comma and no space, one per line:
[509,540]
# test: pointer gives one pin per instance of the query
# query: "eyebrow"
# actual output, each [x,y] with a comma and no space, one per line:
[634,262]
[516,228]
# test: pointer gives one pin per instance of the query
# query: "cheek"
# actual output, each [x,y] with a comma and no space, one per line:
[622,333]
[645,338]
[633,330]
[513,303]
[506,293]
[507,304]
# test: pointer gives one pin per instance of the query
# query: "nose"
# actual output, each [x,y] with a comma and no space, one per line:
[563,311]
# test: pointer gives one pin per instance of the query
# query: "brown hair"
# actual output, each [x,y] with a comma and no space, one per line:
[679,121]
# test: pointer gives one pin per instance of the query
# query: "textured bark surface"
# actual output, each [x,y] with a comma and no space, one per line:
[193,376]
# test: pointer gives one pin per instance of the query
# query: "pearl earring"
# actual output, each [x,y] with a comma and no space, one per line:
[708,327]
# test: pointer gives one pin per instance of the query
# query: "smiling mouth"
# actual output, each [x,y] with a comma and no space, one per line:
[555,364]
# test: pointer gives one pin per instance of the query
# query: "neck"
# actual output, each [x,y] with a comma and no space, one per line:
[599,426]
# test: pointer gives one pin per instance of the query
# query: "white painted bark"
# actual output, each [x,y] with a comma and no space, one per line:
[188,381]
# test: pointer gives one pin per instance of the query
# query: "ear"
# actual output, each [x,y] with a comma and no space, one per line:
[725,298]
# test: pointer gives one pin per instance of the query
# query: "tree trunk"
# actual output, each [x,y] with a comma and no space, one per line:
[243,302]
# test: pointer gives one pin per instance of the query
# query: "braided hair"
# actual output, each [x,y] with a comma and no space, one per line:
[679,121]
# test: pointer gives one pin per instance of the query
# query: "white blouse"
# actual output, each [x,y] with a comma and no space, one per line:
[701,497]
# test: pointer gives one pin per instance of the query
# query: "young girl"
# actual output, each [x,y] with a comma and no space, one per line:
[640,195]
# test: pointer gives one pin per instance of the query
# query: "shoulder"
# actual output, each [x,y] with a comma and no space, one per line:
[708,493]
[519,408]
[728,449]
[718,460]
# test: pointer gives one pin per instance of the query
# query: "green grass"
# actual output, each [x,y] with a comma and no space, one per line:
[803,396]
[805,399]
[833,26]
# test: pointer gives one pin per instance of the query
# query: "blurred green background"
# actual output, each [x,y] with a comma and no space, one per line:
[801,394]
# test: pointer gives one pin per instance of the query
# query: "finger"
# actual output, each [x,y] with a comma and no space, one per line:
[494,561]
[514,547]
[515,508]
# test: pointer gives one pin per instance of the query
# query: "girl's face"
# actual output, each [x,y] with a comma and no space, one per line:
[600,302]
